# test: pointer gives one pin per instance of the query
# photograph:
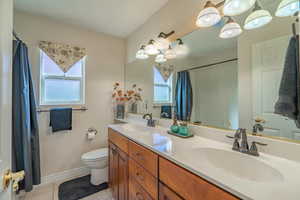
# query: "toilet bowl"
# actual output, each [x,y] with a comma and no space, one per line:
[97,161]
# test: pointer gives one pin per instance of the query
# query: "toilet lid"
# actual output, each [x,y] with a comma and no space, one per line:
[96,154]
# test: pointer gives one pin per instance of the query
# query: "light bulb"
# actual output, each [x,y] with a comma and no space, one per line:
[288,8]
[230,30]
[162,43]
[257,19]
[160,58]
[209,16]
[151,49]
[237,7]
[181,49]
[141,54]
[170,53]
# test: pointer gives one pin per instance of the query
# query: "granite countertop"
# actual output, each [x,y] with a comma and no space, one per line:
[187,154]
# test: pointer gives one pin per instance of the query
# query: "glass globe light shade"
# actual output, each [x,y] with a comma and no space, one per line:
[160,58]
[208,17]
[230,30]
[181,50]
[237,7]
[151,48]
[257,19]
[288,8]
[162,43]
[170,53]
[141,54]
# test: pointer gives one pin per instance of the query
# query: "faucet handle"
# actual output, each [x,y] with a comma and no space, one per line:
[238,133]
[253,149]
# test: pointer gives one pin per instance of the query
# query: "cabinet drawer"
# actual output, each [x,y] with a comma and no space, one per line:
[118,139]
[166,194]
[188,185]
[144,157]
[136,192]
[144,178]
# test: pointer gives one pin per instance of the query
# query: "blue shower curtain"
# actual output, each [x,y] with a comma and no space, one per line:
[183,96]
[25,139]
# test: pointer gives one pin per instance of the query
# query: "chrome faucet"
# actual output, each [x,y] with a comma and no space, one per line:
[150,121]
[241,134]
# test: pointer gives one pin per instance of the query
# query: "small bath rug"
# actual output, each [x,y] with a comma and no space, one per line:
[79,188]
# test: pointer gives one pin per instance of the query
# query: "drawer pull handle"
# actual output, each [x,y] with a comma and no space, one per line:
[139,196]
[139,156]
[139,176]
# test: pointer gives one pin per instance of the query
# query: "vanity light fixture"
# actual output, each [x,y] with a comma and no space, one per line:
[160,58]
[141,53]
[210,15]
[162,42]
[237,7]
[181,49]
[288,8]
[170,53]
[151,48]
[231,29]
[258,18]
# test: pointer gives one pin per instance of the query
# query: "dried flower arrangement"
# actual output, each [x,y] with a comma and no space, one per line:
[132,95]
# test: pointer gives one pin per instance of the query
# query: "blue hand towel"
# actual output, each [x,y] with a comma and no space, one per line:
[61,119]
[166,112]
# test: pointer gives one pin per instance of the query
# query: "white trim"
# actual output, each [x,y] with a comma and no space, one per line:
[42,77]
[64,175]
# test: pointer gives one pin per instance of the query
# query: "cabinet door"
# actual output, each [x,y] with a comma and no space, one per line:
[113,170]
[166,194]
[123,176]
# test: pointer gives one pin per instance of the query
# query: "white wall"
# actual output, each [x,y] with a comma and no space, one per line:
[104,65]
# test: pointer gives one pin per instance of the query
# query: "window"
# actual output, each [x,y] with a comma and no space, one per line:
[59,88]
[162,88]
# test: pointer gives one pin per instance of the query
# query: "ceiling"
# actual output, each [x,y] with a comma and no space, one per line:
[114,17]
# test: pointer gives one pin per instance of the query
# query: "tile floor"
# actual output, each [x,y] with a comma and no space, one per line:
[50,192]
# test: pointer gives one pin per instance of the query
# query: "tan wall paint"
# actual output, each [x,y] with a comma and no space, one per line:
[278,27]
[104,65]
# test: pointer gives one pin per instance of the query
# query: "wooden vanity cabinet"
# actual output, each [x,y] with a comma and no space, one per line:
[137,173]
[118,173]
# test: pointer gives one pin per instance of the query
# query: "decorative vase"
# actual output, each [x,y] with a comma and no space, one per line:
[120,111]
[134,107]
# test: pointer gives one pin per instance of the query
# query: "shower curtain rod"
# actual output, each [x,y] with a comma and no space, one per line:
[212,64]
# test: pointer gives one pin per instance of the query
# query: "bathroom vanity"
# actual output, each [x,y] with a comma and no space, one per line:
[147,163]
[137,173]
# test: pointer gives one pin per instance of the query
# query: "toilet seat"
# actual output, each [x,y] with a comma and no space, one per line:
[97,154]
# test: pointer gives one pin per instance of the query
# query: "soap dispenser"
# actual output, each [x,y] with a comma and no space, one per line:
[175,127]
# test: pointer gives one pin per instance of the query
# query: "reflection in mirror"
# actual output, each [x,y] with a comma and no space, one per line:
[228,83]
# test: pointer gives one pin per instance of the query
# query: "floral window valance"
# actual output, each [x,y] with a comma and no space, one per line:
[165,70]
[64,55]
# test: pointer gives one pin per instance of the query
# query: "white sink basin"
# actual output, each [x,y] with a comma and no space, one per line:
[240,165]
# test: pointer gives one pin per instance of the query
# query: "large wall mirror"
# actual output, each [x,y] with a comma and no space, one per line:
[226,83]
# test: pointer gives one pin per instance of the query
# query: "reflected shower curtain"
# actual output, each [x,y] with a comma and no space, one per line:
[25,138]
[183,96]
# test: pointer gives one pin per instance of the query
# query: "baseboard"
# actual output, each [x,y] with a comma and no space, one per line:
[64,175]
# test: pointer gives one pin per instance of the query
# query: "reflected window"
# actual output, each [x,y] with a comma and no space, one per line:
[162,88]
[59,88]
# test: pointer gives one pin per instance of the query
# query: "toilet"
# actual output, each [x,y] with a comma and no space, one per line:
[97,161]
